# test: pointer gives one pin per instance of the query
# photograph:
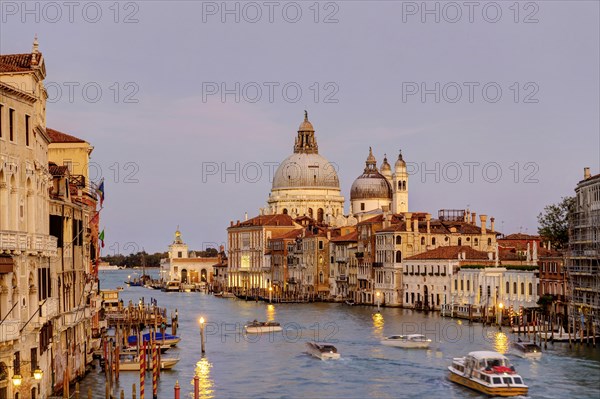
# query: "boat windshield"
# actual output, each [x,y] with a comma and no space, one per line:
[328,348]
[495,362]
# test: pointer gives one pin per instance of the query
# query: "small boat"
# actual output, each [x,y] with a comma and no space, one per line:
[169,339]
[563,336]
[187,287]
[134,350]
[407,341]
[257,327]
[323,352]
[228,294]
[489,373]
[172,286]
[350,302]
[218,294]
[526,349]
[130,362]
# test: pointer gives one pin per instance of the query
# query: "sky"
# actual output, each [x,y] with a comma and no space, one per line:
[190,105]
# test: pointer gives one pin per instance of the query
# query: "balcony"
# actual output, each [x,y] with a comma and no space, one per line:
[17,242]
[49,310]
[341,277]
[292,280]
[377,264]
[10,330]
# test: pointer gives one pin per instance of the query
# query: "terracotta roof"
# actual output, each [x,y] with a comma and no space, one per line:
[267,220]
[520,236]
[60,137]
[17,62]
[291,235]
[450,253]
[350,237]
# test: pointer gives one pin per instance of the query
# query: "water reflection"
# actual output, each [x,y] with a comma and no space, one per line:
[270,312]
[378,324]
[205,383]
[501,342]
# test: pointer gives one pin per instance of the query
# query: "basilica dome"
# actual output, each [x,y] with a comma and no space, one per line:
[371,184]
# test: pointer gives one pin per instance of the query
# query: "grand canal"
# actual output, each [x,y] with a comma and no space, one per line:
[276,366]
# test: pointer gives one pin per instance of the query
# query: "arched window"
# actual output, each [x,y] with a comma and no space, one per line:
[515,288]
[398,240]
[459,242]
[321,277]
[310,212]
[422,240]
[320,214]
[432,240]
[285,211]
[398,256]
[489,241]
[399,185]
[477,241]
[468,285]
[530,289]
[522,288]
[507,287]
[407,297]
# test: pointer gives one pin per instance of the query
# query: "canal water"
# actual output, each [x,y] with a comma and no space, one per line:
[277,366]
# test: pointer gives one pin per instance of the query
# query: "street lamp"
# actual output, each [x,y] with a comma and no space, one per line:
[500,306]
[38,374]
[202,334]
[17,379]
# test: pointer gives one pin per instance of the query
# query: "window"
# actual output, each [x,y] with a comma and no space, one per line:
[522,288]
[530,289]
[468,285]
[462,285]
[398,240]
[476,241]
[1,114]
[362,206]
[489,241]
[34,364]
[515,288]
[507,287]
[398,256]
[17,363]
[27,130]
[459,242]
[432,240]
[320,244]
[44,283]
[455,285]
[11,123]
[285,211]
[179,254]
[422,240]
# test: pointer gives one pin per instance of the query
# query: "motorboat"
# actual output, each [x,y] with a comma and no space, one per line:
[257,327]
[407,341]
[163,339]
[563,336]
[323,351]
[131,362]
[349,302]
[228,294]
[188,287]
[172,286]
[526,349]
[489,373]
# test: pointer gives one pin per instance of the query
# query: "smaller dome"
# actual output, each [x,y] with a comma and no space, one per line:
[306,126]
[371,184]
[385,166]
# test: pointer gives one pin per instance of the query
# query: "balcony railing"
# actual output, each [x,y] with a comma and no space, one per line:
[42,244]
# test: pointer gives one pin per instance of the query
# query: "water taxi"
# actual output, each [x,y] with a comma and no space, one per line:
[407,341]
[526,349]
[257,327]
[323,352]
[487,372]
[172,286]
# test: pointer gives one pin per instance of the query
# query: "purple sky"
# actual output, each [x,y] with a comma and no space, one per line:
[158,124]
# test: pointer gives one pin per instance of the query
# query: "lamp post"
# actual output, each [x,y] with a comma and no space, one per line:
[270,293]
[377,294]
[202,334]
[500,307]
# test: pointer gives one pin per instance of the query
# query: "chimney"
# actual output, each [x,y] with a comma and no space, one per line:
[387,220]
[586,173]
[246,216]
[492,220]
[231,223]
[473,216]
[428,219]
[483,219]
[407,217]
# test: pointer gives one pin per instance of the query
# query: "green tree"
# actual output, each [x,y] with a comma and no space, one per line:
[553,222]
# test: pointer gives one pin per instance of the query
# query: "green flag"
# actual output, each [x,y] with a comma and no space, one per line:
[101,237]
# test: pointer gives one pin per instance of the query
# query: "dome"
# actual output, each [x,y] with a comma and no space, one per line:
[306,126]
[371,184]
[385,168]
[302,170]
[400,162]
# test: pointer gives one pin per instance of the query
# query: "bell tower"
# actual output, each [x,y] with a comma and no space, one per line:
[400,186]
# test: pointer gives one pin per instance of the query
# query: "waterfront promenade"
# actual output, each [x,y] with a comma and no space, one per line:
[236,365]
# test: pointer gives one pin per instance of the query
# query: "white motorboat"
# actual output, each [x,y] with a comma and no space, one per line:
[526,349]
[228,294]
[172,286]
[323,351]
[257,327]
[487,372]
[131,362]
[407,341]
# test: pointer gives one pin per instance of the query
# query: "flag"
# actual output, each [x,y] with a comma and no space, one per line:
[101,192]
[95,219]
[101,237]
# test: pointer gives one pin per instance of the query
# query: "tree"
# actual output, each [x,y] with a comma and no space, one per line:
[554,222]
